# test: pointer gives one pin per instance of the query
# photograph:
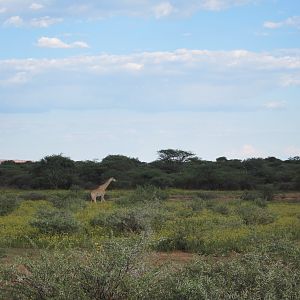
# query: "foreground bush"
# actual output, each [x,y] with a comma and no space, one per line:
[252,276]
[53,221]
[116,271]
[253,215]
[131,221]
[123,270]
[72,200]
[7,204]
[2,253]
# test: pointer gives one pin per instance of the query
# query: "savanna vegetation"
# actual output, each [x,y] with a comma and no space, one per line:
[172,169]
[150,243]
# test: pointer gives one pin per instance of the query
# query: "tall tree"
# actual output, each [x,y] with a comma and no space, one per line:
[55,171]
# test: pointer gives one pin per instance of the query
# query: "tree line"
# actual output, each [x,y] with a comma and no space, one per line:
[173,168]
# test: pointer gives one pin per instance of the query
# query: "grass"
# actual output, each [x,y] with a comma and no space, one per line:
[208,224]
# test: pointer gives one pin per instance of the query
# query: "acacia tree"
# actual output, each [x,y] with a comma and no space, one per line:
[172,160]
[175,155]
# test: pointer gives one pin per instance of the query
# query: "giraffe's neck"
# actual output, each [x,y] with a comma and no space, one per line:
[105,185]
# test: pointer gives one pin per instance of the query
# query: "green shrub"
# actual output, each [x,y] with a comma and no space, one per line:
[267,192]
[124,270]
[206,195]
[250,195]
[34,196]
[133,220]
[2,253]
[196,205]
[282,249]
[260,202]
[55,221]
[221,209]
[71,201]
[253,215]
[185,236]
[117,271]
[7,204]
[252,276]
[144,194]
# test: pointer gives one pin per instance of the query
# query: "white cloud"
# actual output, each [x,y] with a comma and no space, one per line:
[293,21]
[289,22]
[44,22]
[79,44]
[292,151]
[133,66]
[95,9]
[291,80]
[15,21]
[273,25]
[249,151]
[2,10]
[274,105]
[222,4]
[46,42]
[16,79]
[36,6]
[238,63]
[163,9]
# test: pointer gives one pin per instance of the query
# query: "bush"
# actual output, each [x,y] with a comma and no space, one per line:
[267,192]
[260,202]
[221,209]
[253,215]
[144,194]
[7,204]
[55,222]
[252,276]
[125,221]
[123,270]
[184,237]
[206,195]
[71,201]
[281,249]
[2,253]
[34,196]
[250,195]
[117,271]
[196,205]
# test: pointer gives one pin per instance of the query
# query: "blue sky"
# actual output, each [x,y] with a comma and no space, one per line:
[92,78]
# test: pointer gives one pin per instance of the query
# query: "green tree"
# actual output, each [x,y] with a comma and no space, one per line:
[55,171]
[175,155]
[172,160]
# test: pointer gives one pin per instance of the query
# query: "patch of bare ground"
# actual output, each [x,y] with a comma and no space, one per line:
[228,197]
[12,253]
[288,197]
[180,198]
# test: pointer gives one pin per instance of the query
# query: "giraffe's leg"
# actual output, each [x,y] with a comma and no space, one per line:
[102,198]
[94,198]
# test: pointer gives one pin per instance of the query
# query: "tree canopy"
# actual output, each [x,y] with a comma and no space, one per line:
[173,168]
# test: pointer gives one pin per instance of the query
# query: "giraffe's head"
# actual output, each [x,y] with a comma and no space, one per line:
[113,179]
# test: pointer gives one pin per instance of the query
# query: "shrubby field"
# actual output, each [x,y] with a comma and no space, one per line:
[150,244]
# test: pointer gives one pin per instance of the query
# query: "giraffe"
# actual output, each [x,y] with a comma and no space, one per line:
[100,191]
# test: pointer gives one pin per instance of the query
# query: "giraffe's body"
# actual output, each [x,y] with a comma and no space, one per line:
[100,191]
